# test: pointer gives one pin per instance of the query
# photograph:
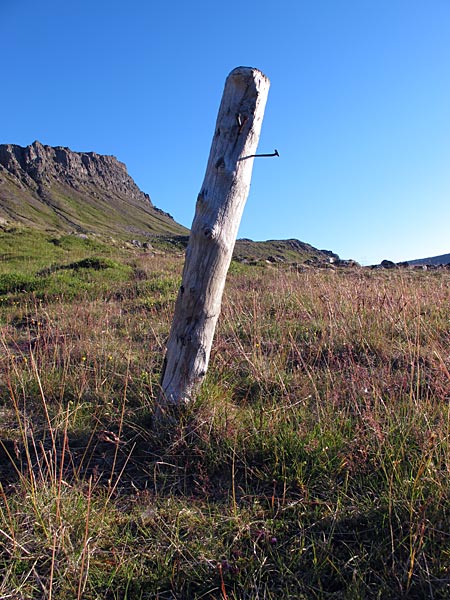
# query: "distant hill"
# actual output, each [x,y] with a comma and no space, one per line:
[442,259]
[60,191]
[275,251]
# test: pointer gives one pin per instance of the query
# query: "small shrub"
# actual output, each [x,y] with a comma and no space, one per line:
[14,282]
[93,262]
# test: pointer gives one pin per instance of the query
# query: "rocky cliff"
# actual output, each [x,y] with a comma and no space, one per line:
[55,187]
[37,165]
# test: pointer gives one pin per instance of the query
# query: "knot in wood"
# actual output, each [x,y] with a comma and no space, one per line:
[220,163]
[208,232]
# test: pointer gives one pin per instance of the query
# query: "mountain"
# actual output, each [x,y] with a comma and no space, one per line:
[58,189]
[442,259]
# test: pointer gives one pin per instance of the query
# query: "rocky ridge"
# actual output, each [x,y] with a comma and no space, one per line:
[37,165]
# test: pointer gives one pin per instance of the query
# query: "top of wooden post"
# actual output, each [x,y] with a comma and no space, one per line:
[246,71]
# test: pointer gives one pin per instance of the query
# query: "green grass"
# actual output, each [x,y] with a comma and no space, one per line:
[85,207]
[31,250]
[314,464]
[58,266]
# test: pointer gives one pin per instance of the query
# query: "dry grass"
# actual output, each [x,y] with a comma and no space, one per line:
[314,464]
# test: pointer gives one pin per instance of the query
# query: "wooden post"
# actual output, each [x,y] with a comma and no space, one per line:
[213,234]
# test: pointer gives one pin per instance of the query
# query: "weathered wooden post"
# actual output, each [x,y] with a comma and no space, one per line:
[218,214]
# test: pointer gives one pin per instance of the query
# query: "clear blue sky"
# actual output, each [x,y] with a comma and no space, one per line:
[359,107]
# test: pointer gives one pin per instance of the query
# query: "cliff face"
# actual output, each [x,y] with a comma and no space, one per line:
[54,187]
[37,165]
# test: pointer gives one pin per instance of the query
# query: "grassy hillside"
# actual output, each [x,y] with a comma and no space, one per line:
[88,209]
[276,251]
[314,464]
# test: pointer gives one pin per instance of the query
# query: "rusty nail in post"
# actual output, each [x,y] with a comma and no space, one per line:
[267,155]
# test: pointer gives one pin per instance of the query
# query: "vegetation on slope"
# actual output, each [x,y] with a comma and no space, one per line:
[314,464]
